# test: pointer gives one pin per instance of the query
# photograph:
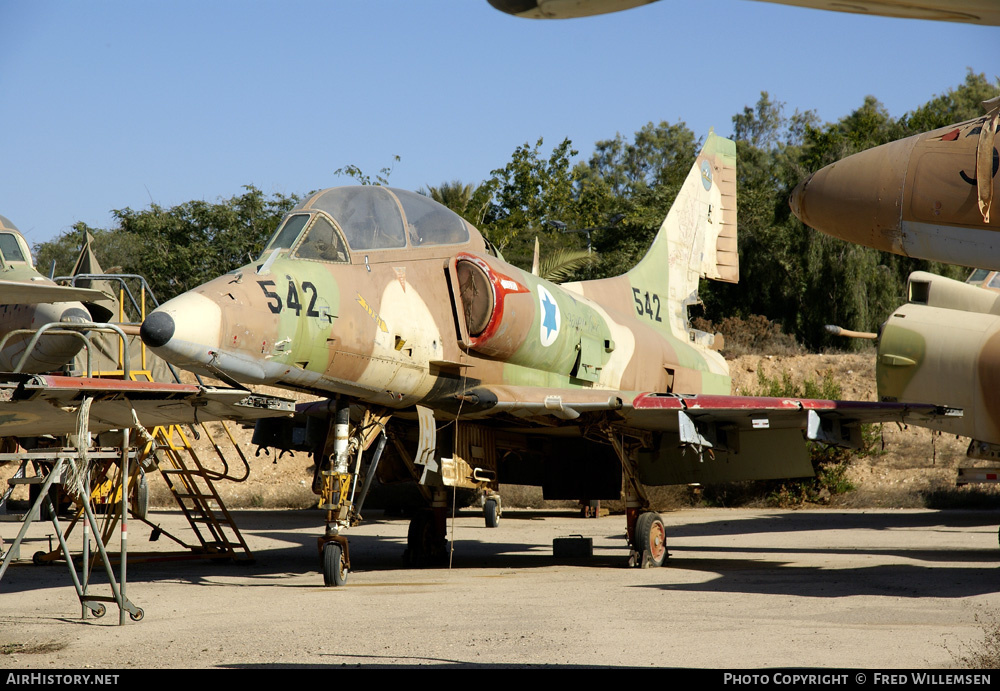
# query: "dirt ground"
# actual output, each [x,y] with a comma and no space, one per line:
[743,588]
[850,585]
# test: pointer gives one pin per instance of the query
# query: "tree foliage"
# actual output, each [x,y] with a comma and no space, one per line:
[616,198]
[178,248]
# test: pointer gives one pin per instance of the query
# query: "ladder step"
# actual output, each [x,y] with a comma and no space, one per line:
[211,519]
[195,493]
[30,481]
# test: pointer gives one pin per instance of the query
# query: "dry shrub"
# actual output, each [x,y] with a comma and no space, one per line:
[986,653]
[964,497]
[31,648]
[755,335]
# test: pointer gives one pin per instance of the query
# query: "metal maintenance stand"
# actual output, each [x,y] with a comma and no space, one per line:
[61,459]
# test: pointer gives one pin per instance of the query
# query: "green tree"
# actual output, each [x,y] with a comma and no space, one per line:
[523,195]
[178,248]
[956,105]
[381,178]
[461,198]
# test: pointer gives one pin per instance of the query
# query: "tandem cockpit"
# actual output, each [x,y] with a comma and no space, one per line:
[370,224]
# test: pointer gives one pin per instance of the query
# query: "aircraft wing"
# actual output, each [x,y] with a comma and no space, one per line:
[662,412]
[968,11]
[17,293]
[32,405]
[702,438]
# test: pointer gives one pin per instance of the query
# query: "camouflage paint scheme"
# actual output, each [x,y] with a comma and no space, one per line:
[384,301]
[969,11]
[927,196]
[29,300]
[943,345]
[388,325]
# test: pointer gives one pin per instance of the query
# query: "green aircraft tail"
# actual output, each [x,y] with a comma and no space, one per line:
[697,239]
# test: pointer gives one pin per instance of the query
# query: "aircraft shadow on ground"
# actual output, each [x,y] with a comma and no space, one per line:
[376,662]
[768,570]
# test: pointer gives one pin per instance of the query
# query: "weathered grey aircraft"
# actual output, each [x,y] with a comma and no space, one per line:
[393,307]
[969,11]
[927,196]
[29,300]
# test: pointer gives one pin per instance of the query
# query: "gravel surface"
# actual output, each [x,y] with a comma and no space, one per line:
[743,588]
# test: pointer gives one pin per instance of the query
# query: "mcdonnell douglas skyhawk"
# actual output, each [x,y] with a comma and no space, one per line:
[459,370]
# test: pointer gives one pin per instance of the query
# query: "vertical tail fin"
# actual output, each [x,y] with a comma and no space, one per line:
[697,238]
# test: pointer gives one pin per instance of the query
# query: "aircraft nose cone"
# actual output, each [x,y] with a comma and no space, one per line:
[858,199]
[157,329]
[184,331]
[795,200]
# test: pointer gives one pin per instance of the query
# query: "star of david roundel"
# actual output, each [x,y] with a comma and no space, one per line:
[548,327]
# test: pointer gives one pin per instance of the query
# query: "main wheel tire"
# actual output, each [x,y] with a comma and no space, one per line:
[334,566]
[424,547]
[650,539]
[492,512]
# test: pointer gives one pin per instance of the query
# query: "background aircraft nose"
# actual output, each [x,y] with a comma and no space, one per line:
[858,199]
[157,329]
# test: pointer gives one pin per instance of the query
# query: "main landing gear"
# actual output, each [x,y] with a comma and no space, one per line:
[649,541]
[492,511]
[426,539]
[646,534]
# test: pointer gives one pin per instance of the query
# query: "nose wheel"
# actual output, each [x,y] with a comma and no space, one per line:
[336,565]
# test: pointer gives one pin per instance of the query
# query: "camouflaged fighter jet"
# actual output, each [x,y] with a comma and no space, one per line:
[469,371]
[967,11]
[29,300]
[944,345]
[927,196]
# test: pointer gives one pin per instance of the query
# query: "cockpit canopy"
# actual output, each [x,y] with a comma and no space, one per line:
[12,244]
[366,218]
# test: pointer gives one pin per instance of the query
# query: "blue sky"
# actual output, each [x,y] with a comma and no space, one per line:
[111,104]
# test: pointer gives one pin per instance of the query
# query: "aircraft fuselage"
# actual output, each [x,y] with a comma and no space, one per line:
[398,327]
